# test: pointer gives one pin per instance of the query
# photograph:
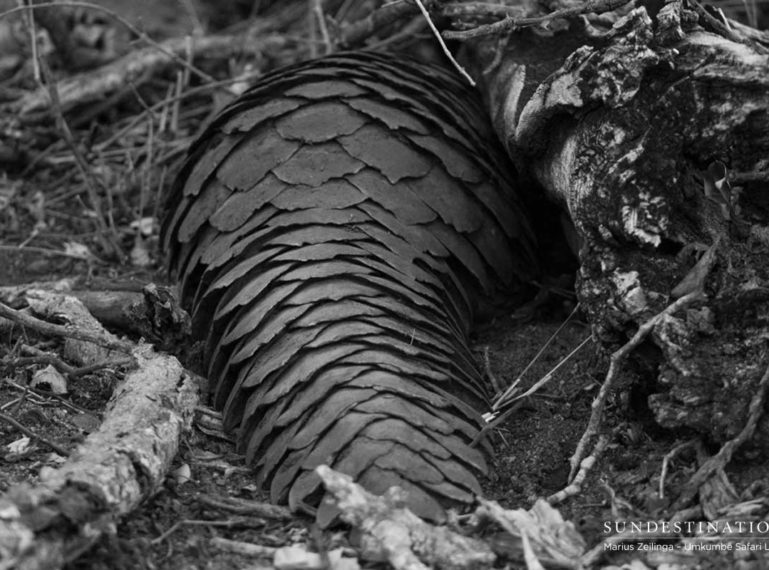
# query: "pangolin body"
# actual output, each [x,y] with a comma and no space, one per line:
[332,231]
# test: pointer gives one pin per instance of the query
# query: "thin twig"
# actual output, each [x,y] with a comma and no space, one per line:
[45,395]
[106,232]
[62,330]
[743,177]
[666,464]
[32,435]
[503,398]
[40,359]
[596,416]
[355,33]
[192,12]
[43,250]
[29,20]
[411,30]
[584,468]
[231,523]
[547,377]
[442,43]
[498,419]
[242,548]
[722,27]
[203,89]
[317,8]
[481,9]
[246,507]
[510,23]
[495,383]
[175,106]
[83,370]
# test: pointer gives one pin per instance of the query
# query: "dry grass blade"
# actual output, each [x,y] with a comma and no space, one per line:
[510,401]
[320,18]
[442,43]
[507,395]
[106,232]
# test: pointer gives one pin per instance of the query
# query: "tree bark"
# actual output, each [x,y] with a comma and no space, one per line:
[124,462]
[654,135]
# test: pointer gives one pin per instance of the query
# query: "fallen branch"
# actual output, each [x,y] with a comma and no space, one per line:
[108,476]
[110,473]
[131,68]
[146,310]
[103,339]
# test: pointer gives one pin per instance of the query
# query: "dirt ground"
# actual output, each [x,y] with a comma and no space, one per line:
[173,530]
[46,221]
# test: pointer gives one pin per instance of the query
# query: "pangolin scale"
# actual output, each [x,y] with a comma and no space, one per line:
[333,232]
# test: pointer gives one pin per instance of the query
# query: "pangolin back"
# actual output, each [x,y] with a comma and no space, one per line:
[333,231]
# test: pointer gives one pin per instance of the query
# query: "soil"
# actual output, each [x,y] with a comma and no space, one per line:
[174,529]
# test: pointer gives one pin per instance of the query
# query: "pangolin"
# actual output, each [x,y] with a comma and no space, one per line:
[334,231]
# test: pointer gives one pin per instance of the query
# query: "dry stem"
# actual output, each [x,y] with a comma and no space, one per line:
[584,468]
[62,330]
[32,435]
[357,32]
[510,23]
[111,246]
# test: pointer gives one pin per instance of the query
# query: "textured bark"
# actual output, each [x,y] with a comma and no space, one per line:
[152,313]
[117,467]
[644,132]
[390,531]
[146,310]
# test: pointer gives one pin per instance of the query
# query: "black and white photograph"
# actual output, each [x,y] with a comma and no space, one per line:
[384,284]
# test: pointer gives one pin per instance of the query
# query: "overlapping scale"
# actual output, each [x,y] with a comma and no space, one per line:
[332,231]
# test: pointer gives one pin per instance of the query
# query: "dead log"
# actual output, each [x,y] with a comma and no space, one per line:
[117,467]
[654,135]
